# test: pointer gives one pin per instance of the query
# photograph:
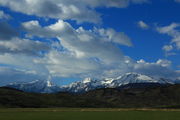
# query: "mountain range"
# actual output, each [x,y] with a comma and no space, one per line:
[128,80]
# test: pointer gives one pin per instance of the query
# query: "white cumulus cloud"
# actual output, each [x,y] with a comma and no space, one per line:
[173,31]
[23,46]
[86,52]
[79,10]
[143,25]
[160,69]
[96,43]
[167,48]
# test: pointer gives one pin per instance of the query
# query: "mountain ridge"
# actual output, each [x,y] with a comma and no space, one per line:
[88,84]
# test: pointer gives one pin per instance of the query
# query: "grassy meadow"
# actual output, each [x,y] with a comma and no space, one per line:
[88,114]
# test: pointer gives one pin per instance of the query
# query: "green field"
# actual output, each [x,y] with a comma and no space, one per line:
[88,114]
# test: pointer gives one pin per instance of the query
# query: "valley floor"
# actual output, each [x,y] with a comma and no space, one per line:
[88,114]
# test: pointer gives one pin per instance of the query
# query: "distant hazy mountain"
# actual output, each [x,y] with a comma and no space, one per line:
[127,80]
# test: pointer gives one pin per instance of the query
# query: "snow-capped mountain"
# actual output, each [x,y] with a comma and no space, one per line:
[37,86]
[83,86]
[129,78]
[90,84]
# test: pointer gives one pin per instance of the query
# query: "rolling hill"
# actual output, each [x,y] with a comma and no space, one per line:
[149,97]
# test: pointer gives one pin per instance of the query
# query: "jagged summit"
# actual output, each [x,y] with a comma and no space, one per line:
[87,80]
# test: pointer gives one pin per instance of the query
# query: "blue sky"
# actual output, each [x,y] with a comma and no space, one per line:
[106,38]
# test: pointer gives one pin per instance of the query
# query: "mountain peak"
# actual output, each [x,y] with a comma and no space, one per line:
[49,83]
[87,80]
[139,76]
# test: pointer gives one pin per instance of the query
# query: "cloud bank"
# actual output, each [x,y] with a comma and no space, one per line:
[79,10]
